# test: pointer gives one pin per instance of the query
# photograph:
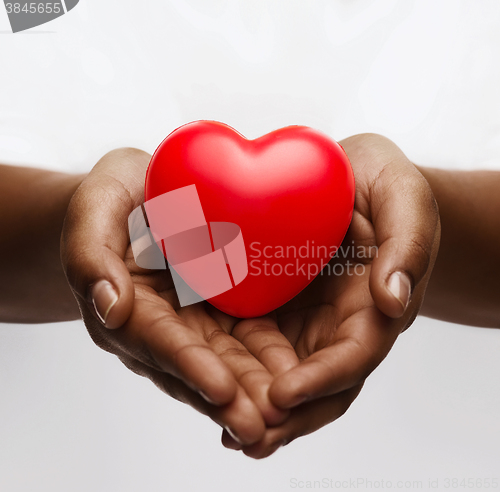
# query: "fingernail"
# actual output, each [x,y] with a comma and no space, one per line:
[104,297]
[206,398]
[233,435]
[399,286]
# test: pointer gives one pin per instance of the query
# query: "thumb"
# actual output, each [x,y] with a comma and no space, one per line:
[407,228]
[95,236]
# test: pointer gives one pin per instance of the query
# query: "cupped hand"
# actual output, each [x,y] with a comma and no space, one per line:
[275,378]
[345,322]
[133,313]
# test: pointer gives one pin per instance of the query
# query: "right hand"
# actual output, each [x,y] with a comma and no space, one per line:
[188,352]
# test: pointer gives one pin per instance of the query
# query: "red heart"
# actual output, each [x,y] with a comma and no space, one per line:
[291,188]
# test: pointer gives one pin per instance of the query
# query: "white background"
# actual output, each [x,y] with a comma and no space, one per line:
[425,73]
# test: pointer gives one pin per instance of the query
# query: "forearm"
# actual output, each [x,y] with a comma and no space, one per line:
[33,287]
[464,286]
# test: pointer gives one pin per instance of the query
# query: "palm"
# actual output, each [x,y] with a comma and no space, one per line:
[336,332]
[330,325]
[337,304]
[186,349]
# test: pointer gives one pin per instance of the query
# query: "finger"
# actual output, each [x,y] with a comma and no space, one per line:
[263,339]
[229,442]
[248,371]
[240,418]
[361,343]
[405,218]
[157,336]
[304,420]
[406,221]
[95,234]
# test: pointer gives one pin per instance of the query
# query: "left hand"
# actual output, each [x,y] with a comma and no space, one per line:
[342,326]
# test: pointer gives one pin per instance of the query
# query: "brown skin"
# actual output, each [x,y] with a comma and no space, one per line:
[187,352]
[255,374]
[260,364]
[33,204]
[334,326]
[464,286]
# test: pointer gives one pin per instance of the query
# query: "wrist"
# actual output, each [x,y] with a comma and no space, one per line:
[33,206]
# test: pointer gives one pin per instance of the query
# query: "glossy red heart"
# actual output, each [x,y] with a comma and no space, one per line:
[291,192]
